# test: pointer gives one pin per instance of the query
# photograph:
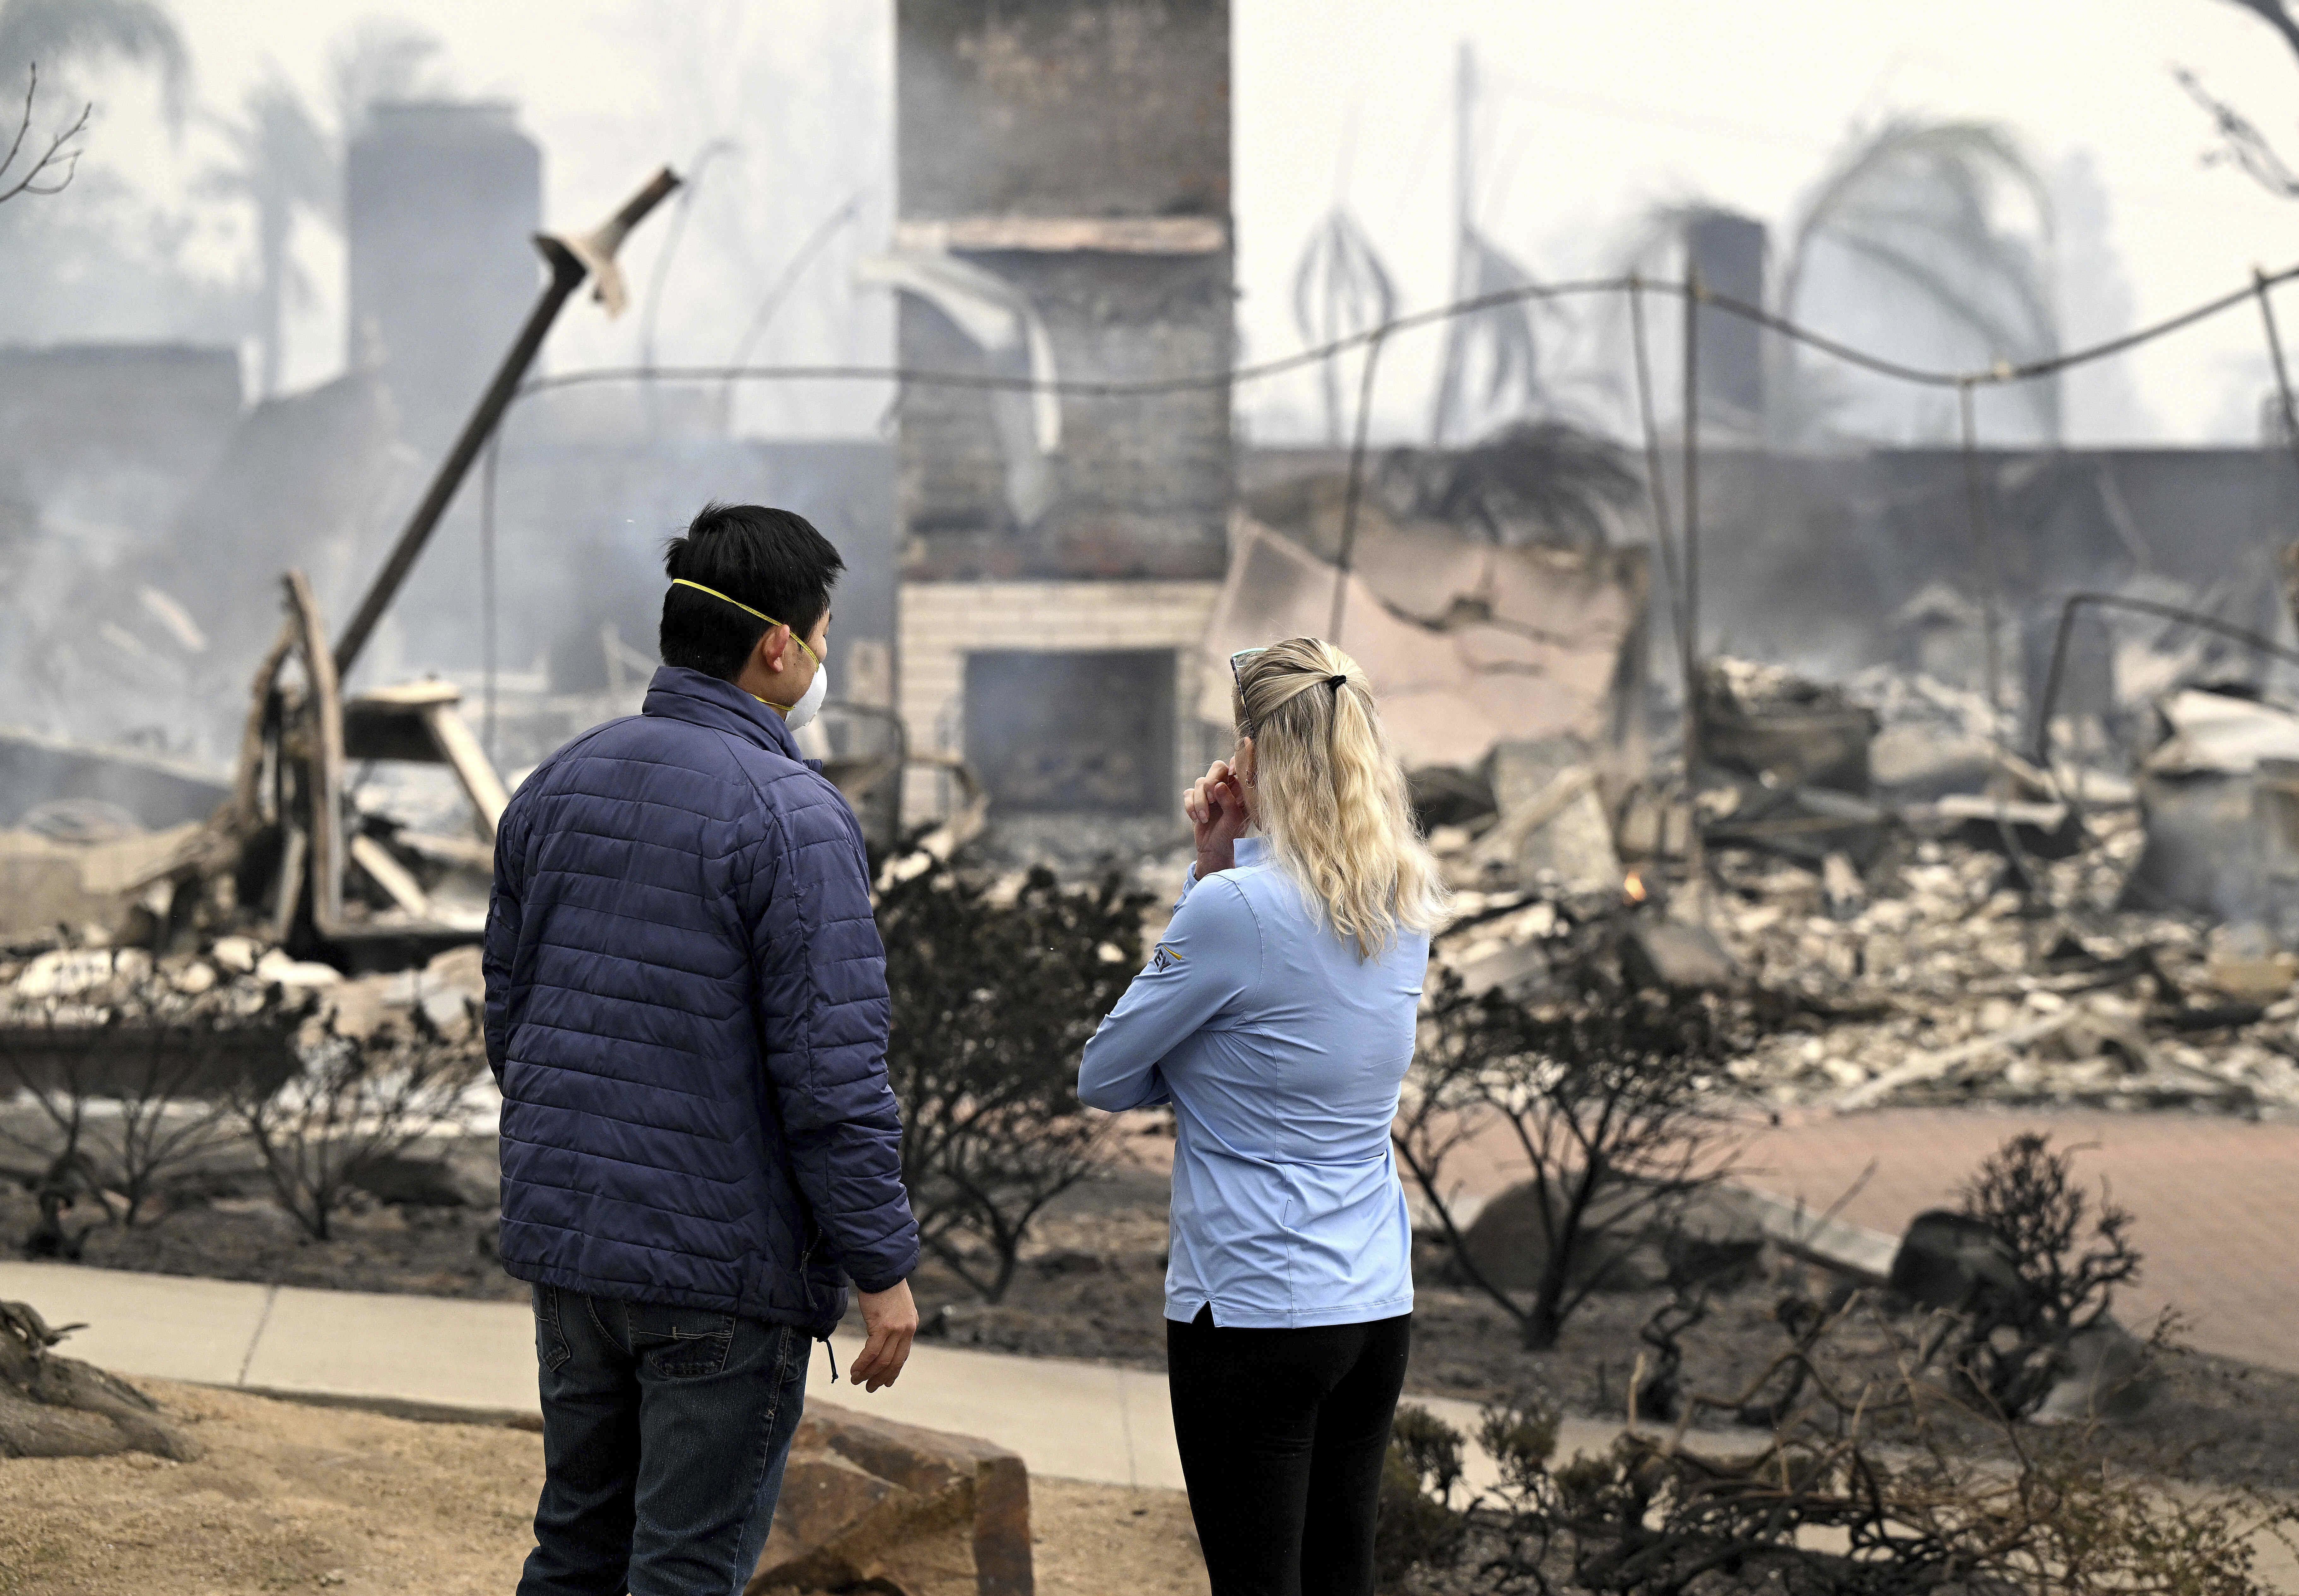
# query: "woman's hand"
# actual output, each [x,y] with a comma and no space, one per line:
[1215,806]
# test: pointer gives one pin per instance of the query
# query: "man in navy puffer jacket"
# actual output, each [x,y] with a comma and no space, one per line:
[686,1011]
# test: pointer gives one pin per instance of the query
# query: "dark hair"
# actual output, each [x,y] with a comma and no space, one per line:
[773,560]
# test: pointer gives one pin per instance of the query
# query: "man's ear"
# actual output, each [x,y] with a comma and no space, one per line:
[771,658]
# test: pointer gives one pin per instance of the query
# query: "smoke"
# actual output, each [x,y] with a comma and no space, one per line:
[218,224]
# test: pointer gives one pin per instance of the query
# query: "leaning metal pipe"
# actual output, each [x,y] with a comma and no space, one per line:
[2169,612]
[570,260]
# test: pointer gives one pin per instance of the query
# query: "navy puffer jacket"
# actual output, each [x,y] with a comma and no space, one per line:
[686,1011]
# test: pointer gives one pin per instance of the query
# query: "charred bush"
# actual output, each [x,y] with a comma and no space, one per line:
[996,990]
[1604,1093]
[1418,1526]
[131,1080]
[2037,1269]
[1818,1508]
[357,1103]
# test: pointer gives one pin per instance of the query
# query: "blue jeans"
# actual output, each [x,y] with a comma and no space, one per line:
[664,1435]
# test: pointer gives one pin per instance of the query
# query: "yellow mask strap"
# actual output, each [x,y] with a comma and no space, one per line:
[762,615]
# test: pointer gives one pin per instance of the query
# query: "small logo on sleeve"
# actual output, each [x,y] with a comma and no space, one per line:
[1165,958]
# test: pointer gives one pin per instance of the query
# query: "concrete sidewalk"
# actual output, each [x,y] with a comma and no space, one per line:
[1073,1420]
[443,1356]
[437,1356]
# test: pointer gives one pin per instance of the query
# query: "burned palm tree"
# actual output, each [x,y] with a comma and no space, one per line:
[1497,335]
[284,165]
[1912,209]
[1341,289]
[380,58]
[287,163]
[1545,482]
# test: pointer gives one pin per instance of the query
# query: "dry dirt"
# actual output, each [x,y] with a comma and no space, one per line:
[289,1497]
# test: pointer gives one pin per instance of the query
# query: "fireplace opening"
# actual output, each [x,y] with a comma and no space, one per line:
[1067,733]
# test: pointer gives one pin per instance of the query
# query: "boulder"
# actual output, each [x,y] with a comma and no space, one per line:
[418,1182]
[1949,1259]
[868,1504]
[1627,1242]
[2104,1373]
[235,955]
[278,969]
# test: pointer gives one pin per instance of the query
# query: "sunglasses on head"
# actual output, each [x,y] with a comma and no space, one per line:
[1236,673]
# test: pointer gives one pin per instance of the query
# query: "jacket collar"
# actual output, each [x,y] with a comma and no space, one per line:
[1252,850]
[679,694]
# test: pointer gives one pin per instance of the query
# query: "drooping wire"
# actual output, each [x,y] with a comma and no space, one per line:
[2002,372]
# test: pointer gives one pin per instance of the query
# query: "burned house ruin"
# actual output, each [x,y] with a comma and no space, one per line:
[1064,173]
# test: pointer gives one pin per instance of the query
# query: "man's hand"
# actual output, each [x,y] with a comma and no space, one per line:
[892,1320]
[1215,806]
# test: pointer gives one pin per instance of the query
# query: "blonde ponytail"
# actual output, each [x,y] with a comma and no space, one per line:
[1331,796]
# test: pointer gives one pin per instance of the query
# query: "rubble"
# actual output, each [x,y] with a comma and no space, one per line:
[101,1014]
[1782,730]
[2218,795]
[1475,644]
[1931,918]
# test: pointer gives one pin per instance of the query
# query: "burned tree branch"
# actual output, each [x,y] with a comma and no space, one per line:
[2276,15]
[59,152]
[2243,143]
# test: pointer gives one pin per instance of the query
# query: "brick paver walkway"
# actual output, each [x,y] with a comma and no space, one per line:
[2216,1199]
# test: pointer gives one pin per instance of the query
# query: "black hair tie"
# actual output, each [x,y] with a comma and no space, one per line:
[1336,682]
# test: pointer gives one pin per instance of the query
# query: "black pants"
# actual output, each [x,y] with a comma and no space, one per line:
[664,1435]
[1282,1433]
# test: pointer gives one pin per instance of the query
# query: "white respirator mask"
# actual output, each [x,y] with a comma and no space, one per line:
[809,702]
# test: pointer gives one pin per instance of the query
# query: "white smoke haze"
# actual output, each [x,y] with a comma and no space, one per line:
[207,211]
[1588,116]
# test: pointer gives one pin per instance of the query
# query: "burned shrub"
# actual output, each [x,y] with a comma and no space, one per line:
[358,1101]
[131,1077]
[995,993]
[1818,1508]
[1417,1525]
[1604,1094]
[2026,1272]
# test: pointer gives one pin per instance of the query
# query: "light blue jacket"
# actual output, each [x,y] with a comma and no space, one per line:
[1281,1052]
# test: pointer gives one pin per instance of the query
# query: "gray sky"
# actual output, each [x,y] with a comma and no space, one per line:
[1596,112]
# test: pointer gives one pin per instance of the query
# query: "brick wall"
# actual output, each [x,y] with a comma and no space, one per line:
[1063,107]
[939,621]
[1141,484]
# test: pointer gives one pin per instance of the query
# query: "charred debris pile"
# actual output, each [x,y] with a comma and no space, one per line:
[1927,917]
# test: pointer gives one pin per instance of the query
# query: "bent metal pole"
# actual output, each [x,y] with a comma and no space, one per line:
[570,260]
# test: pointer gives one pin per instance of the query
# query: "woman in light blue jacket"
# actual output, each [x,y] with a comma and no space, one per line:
[1277,1016]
